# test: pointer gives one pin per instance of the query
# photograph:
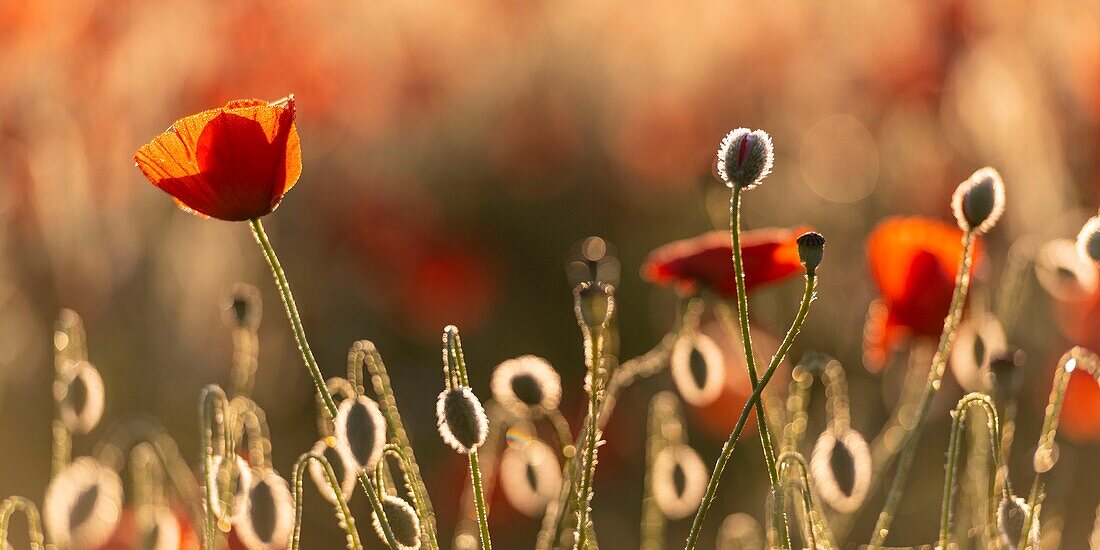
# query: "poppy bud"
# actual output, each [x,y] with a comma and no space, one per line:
[526,384]
[82,504]
[239,477]
[265,517]
[841,467]
[745,158]
[1011,516]
[403,521]
[1006,369]
[811,247]
[361,430]
[243,307]
[1088,240]
[698,369]
[80,398]
[530,477]
[338,461]
[679,480]
[979,201]
[594,303]
[461,419]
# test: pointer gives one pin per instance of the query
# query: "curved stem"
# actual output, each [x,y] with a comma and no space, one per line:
[727,448]
[343,513]
[935,374]
[376,505]
[594,344]
[10,506]
[213,407]
[949,484]
[292,314]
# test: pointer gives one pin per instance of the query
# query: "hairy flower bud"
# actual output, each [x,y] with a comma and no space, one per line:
[403,521]
[526,384]
[461,419]
[745,158]
[679,479]
[1006,369]
[1088,240]
[82,504]
[80,398]
[243,307]
[263,520]
[594,303]
[361,430]
[811,248]
[979,201]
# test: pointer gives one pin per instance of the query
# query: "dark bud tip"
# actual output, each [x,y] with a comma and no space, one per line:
[811,248]
[1006,369]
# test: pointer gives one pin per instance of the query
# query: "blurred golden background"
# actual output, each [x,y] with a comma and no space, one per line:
[455,153]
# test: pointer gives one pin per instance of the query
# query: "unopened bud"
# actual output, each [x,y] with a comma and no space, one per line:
[243,307]
[594,303]
[461,419]
[1088,240]
[745,158]
[811,247]
[403,521]
[979,201]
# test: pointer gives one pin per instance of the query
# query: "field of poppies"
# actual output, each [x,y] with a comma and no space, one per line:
[549,275]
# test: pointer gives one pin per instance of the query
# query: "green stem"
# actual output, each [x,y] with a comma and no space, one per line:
[953,452]
[754,399]
[935,374]
[343,513]
[780,520]
[592,435]
[292,314]
[376,505]
[454,365]
[479,501]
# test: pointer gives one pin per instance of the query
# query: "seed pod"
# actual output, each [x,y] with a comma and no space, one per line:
[526,385]
[243,307]
[236,474]
[977,340]
[841,468]
[341,465]
[745,158]
[461,419]
[594,304]
[811,248]
[361,431]
[679,480]
[1011,516]
[698,369]
[83,504]
[80,398]
[530,477]
[1088,240]
[264,519]
[1063,272]
[979,201]
[403,521]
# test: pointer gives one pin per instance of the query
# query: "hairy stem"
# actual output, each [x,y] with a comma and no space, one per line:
[343,513]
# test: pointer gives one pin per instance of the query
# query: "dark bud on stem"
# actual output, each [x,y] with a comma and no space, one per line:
[811,247]
[1006,369]
[594,303]
[243,307]
[1088,240]
[403,522]
[361,431]
[745,158]
[461,419]
[979,201]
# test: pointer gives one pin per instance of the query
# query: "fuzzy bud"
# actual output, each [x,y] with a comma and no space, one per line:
[526,384]
[461,419]
[265,518]
[594,303]
[979,201]
[745,158]
[80,398]
[1088,240]
[811,248]
[403,521]
[1006,369]
[243,308]
[361,430]
[1011,516]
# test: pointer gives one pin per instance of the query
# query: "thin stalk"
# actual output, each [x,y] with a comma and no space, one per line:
[953,452]
[292,314]
[213,407]
[455,366]
[343,513]
[479,501]
[376,505]
[594,344]
[817,532]
[10,506]
[750,362]
[935,374]
[727,448]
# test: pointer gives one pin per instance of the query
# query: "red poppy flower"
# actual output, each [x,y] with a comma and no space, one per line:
[914,262]
[1080,421]
[179,531]
[234,163]
[769,255]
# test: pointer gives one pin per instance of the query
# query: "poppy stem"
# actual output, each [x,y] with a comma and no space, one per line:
[343,513]
[376,505]
[595,341]
[292,314]
[754,399]
[9,507]
[935,375]
[455,366]
[950,485]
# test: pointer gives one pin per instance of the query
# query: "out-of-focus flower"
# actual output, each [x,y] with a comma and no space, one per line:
[1080,420]
[1079,318]
[913,262]
[234,163]
[769,256]
[156,529]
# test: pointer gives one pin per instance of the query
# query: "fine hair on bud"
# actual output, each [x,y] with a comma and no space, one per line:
[526,385]
[361,431]
[80,398]
[594,303]
[811,248]
[342,466]
[403,521]
[461,419]
[976,341]
[1064,273]
[1011,517]
[841,468]
[530,477]
[745,158]
[236,473]
[679,479]
[83,504]
[264,519]
[698,369]
[979,201]
[243,307]
[1088,240]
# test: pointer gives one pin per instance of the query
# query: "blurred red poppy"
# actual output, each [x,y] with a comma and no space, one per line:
[234,163]
[1080,421]
[913,262]
[1078,319]
[769,255]
[177,532]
